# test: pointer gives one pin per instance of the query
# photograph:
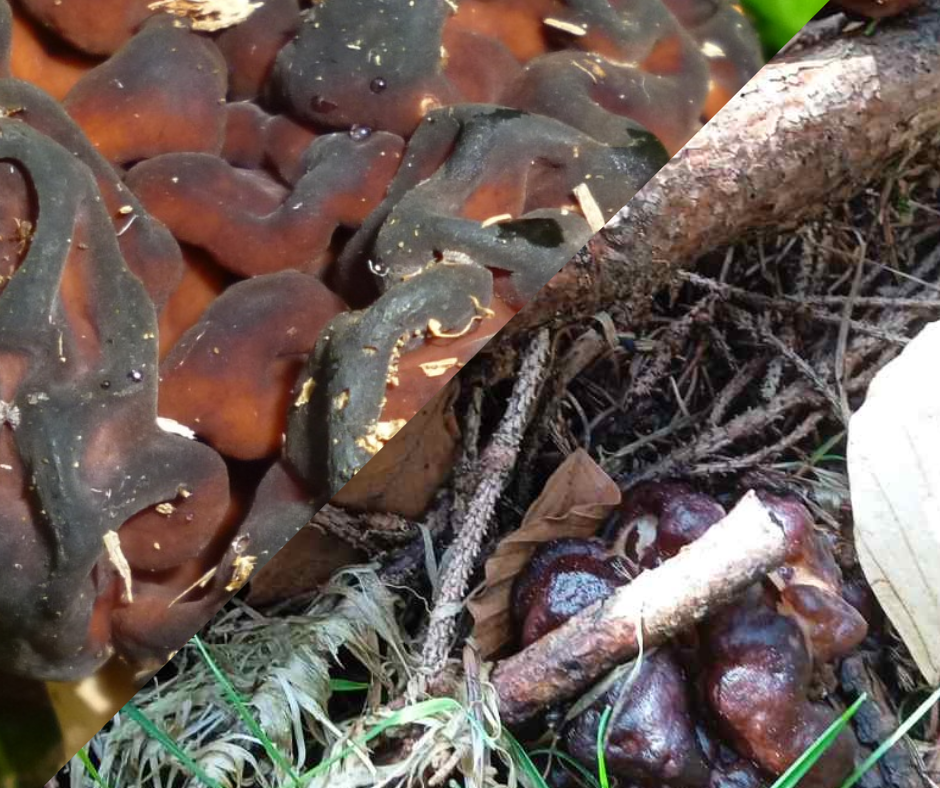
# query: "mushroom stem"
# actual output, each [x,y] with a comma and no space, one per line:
[737,551]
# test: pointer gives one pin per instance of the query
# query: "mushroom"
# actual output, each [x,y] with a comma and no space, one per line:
[361,78]
[651,739]
[810,584]
[89,25]
[251,47]
[335,423]
[81,447]
[261,227]
[146,246]
[230,376]
[729,703]
[162,92]
[616,77]
[757,681]
[495,184]
[562,577]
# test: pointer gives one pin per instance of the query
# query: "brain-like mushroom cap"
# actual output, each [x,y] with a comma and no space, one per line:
[90,25]
[563,577]
[651,737]
[162,92]
[78,428]
[757,682]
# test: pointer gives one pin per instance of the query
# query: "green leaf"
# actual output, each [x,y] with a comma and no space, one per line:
[779,20]
[244,713]
[405,716]
[571,764]
[524,762]
[82,755]
[601,740]
[345,685]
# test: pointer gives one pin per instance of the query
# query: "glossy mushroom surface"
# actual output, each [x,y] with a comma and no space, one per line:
[235,259]
[730,703]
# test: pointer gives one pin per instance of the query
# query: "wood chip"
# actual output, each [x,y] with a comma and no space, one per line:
[209,15]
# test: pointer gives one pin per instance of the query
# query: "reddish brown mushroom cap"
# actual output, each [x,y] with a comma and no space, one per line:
[90,25]
[163,92]
[563,577]
[651,737]
[149,250]
[78,386]
[757,683]
[251,47]
[230,377]
[248,222]
[342,69]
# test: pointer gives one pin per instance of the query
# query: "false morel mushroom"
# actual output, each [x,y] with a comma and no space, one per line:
[235,258]
[730,703]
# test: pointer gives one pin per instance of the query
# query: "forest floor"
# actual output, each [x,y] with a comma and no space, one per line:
[745,376]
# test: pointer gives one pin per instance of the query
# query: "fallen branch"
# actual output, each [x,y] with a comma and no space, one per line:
[495,465]
[803,134]
[734,553]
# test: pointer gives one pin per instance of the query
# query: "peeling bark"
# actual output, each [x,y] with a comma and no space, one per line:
[807,131]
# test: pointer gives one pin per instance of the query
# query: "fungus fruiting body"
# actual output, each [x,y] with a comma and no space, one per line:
[238,252]
[731,702]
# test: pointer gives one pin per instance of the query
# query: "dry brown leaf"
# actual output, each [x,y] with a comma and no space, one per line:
[84,707]
[304,564]
[404,476]
[894,473]
[575,501]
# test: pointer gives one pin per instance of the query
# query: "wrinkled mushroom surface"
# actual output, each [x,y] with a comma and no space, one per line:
[233,262]
[732,703]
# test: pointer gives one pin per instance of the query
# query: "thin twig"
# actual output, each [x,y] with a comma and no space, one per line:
[496,463]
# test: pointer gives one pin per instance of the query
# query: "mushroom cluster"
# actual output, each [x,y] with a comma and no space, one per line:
[239,249]
[731,704]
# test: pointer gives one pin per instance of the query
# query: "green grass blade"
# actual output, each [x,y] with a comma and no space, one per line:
[345,685]
[798,769]
[893,739]
[231,694]
[169,745]
[823,452]
[405,716]
[570,764]
[524,762]
[82,755]
[601,739]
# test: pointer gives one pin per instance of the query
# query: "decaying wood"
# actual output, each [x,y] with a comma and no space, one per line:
[735,552]
[805,132]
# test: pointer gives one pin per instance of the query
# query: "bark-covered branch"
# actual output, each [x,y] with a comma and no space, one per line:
[807,131]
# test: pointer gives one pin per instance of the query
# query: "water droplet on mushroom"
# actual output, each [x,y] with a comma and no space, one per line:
[135,375]
[359,132]
[378,84]
[105,384]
